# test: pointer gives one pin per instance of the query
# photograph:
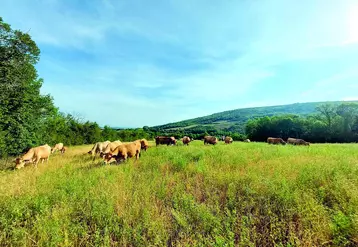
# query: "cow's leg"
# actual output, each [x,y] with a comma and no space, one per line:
[36,162]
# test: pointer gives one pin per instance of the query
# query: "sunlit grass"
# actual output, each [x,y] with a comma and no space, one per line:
[243,194]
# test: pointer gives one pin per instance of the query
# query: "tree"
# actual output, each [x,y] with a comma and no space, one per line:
[22,108]
[348,112]
[328,113]
[355,125]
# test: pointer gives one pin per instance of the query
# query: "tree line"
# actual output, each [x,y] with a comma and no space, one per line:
[332,123]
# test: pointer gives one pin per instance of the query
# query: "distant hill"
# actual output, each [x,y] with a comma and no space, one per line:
[235,120]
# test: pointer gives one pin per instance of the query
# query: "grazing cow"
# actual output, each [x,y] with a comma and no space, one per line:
[34,155]
[295,141]
[98,148]
[247,140]
[272,140]
[228,140]
[123,151]
[210,140]
[291,141]
[186,140]
[165,140]
[64,149]
[110,147]
[144,144]
[58,147]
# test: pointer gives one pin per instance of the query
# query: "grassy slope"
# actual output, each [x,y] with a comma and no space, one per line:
[238,118]
[245,194]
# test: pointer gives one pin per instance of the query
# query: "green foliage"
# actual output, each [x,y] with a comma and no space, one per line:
[22,108]
[333,123]
[235,120]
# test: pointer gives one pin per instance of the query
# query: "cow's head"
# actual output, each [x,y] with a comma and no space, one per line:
[109,158]
[19,163]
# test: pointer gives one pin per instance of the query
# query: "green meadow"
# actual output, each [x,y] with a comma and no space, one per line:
[243,194]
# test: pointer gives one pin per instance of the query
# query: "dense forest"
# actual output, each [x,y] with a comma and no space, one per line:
[28,118]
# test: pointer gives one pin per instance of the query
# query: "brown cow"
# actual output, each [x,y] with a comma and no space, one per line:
[58,146]
[144,144]
[186,140]
[110,147]
[123,151]
[291,140]
[64,149]
[165,140]
[210,140]
[295,141]
[228,140]
[34,155]
[272,140]
[98,148]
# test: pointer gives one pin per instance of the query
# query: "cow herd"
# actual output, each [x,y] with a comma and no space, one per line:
[118,151]
[293,141]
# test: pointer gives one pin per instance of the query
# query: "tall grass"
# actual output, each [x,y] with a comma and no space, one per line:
[244,194]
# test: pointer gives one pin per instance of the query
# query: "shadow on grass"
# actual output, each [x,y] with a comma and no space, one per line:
[7,164]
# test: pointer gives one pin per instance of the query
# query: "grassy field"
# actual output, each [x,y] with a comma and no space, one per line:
[244,194]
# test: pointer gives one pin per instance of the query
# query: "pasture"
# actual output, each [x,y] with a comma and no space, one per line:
[243,194]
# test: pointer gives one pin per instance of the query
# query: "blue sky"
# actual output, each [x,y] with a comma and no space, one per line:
[134,63]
